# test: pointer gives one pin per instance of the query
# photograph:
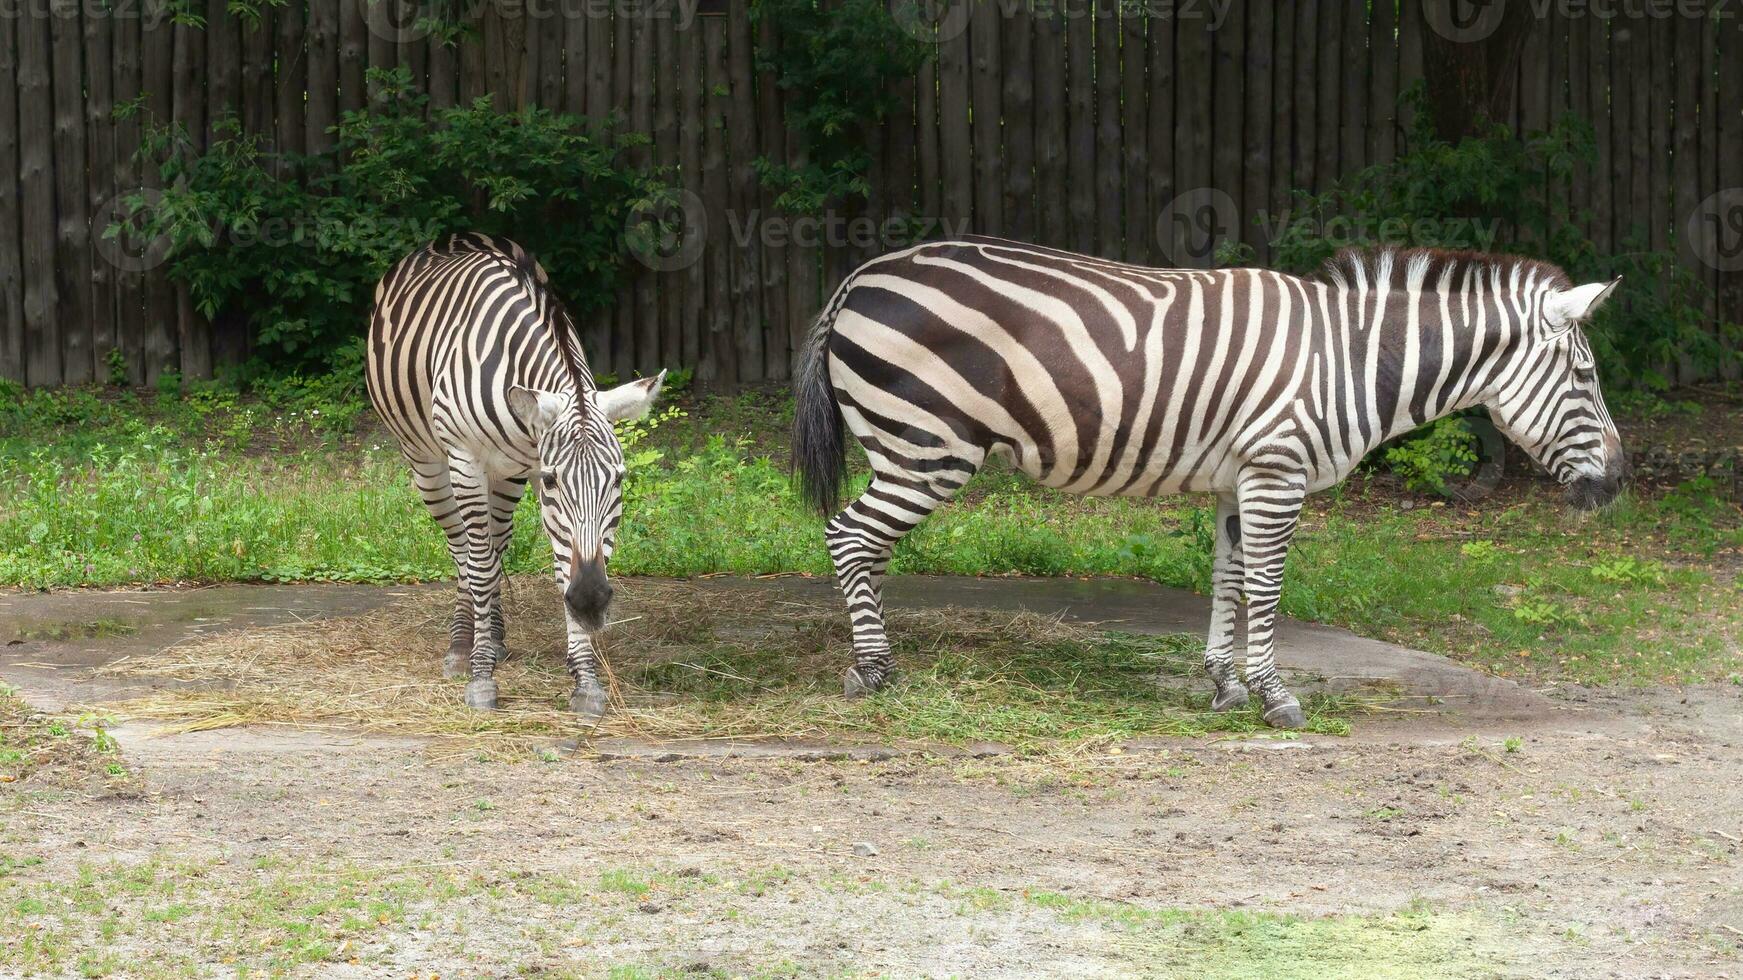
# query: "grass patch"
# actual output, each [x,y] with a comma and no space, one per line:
[758,665]
[98,492]
[41,751]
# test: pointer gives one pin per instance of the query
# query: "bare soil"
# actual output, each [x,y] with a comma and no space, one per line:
[1597,837]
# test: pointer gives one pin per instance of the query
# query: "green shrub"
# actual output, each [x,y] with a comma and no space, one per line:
[295,245]
[1436,453]
[1494,192]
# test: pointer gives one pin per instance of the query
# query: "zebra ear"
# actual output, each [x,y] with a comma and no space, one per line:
[630,401]
[532,408]
[1570,306]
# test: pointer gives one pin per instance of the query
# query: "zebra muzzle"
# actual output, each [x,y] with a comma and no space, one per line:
[588,594]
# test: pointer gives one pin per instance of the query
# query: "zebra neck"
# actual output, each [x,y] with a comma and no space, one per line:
[1418,355]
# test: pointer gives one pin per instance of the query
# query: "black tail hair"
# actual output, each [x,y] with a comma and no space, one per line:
[819,450]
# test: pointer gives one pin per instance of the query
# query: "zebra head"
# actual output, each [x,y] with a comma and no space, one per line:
[580,481]
[1549,403]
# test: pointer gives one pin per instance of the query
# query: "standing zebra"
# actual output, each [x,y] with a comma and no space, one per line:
[475,367]
[1104,378]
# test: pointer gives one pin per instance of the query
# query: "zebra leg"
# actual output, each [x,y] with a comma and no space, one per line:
[861,539]
[1270,506]
[433,485]
[505,494]
[483,573]
[1225,605]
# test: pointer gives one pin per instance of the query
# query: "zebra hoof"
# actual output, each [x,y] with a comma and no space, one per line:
[481,694]
[855,685]
[1287,714]
[588,702]
[458,663]
[1229,698]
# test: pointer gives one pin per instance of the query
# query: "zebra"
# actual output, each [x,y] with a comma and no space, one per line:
[1098,377]
[474,366]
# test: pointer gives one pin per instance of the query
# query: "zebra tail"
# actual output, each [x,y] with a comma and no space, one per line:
[819,450]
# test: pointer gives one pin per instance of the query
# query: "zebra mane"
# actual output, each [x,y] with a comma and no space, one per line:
[527,271]
[1401,268]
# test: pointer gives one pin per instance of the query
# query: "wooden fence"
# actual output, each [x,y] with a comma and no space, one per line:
[1064,123]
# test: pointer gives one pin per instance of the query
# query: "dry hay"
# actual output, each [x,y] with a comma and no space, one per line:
[683,663]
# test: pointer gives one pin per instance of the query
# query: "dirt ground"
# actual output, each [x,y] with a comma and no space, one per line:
[1596,834]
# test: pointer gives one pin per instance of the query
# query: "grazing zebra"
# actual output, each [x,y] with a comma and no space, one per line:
[1104,378]
[474,365]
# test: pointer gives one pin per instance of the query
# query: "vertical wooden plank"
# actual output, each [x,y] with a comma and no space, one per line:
[291,78]
[444,74]
[355,40]
[899,147]
[158,84]
[694,139]
[1730,164]
[1080,66]
[1663,33]
[99,180]
[575,58]
[322,40]
[671,284]
[1327,166]
[1603,110]
[1534,80]
[989,174]
[1306,95]
[1579,89]
[622,72]
[1410,68]
[930,176]
[257,58]
[72,253]
[1018,106]
[1383,82]
[1282,112]
[1109,162]
[1641,127]
[547,26]
[223,64]
[956,156]
[599,32]
[1624,49]
[414,54]
[1134,136]
[42,341]
[1257,127]
[783,330]
[1708,180]
[747,259]
[126,46]
[720,351]
[1053,223]
[193,332]
[1686,160]
[11,248]
[1353,113]
[1194,40]
[1230,73]
[1161,188]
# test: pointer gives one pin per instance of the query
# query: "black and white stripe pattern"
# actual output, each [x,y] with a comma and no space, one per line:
[474,365]
[1104,378]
